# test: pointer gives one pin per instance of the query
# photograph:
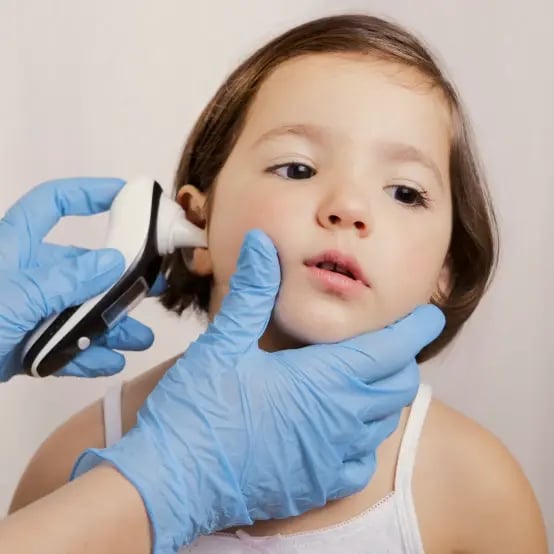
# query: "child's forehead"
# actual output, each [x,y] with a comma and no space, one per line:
[312,74]
[354,95]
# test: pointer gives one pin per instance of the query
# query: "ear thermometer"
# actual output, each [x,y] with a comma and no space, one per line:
[144,225]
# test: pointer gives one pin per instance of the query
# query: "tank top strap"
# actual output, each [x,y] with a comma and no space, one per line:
[406,513]
[112,414]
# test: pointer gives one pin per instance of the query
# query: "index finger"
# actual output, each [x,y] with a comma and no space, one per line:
[42,207]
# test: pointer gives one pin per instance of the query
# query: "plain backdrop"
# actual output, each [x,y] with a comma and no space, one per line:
[113,88]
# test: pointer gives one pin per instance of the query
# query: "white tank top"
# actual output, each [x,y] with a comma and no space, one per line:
[388,527]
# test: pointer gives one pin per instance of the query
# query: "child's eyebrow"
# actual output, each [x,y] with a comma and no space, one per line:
[391,150]
[314,133]
[403,152]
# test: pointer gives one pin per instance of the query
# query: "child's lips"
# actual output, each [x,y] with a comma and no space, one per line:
[341,263]
[336,283]
[334,272]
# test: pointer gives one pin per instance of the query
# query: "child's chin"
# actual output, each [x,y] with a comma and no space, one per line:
[303,326]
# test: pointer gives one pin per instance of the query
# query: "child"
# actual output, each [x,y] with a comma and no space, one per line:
[345,143]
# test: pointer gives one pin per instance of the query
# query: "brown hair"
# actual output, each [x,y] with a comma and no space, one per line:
[472,251]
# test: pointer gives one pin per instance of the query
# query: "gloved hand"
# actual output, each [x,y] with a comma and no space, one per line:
[232,434]
[39,279]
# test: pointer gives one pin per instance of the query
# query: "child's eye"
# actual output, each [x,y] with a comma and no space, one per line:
[408,195]
[293,170]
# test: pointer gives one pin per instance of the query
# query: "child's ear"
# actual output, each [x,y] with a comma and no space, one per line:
[444,282]
[193,202]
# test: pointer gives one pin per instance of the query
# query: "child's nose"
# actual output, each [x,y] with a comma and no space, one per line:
[345,215]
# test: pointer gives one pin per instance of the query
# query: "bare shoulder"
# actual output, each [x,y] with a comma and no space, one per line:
[51,466]
[471,494]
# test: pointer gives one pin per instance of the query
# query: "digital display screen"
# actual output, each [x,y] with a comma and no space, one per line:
[126,302]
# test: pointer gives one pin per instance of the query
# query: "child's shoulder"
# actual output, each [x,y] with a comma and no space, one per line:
[466,485]
[466,449]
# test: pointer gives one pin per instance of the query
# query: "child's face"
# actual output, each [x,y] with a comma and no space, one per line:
[333,156]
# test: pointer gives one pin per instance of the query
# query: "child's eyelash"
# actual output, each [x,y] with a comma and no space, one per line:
[421,200]
[303,170]
[424,199]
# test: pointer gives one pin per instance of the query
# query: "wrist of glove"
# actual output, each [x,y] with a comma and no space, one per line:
[183,496]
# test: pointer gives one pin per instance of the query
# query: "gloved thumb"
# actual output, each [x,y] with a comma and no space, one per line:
[378,354]
[246,309]
[72,281]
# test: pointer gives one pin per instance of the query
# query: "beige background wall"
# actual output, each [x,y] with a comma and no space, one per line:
[112,88]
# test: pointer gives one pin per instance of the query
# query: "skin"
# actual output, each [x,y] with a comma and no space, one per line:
[466,485]
[95,524]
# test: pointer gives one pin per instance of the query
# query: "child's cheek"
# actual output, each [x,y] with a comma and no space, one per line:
[417,270]
[229,226]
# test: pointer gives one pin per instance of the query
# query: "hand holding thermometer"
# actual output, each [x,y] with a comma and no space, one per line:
[145,224]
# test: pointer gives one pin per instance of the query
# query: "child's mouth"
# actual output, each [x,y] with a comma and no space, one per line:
[337,273]
[336,268]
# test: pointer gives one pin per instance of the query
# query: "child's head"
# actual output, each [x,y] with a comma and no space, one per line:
[341,134]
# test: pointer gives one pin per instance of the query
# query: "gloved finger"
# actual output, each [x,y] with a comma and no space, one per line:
[371,437]
[51,254]
[374,355]
[246,309]
[159,286]
[333,378]
[391,393]
[353,477]
[127,334]
[40,209]
[95,361]
[71,282]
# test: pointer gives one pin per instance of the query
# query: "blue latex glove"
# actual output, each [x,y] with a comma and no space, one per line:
[232,434]
[39,279]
